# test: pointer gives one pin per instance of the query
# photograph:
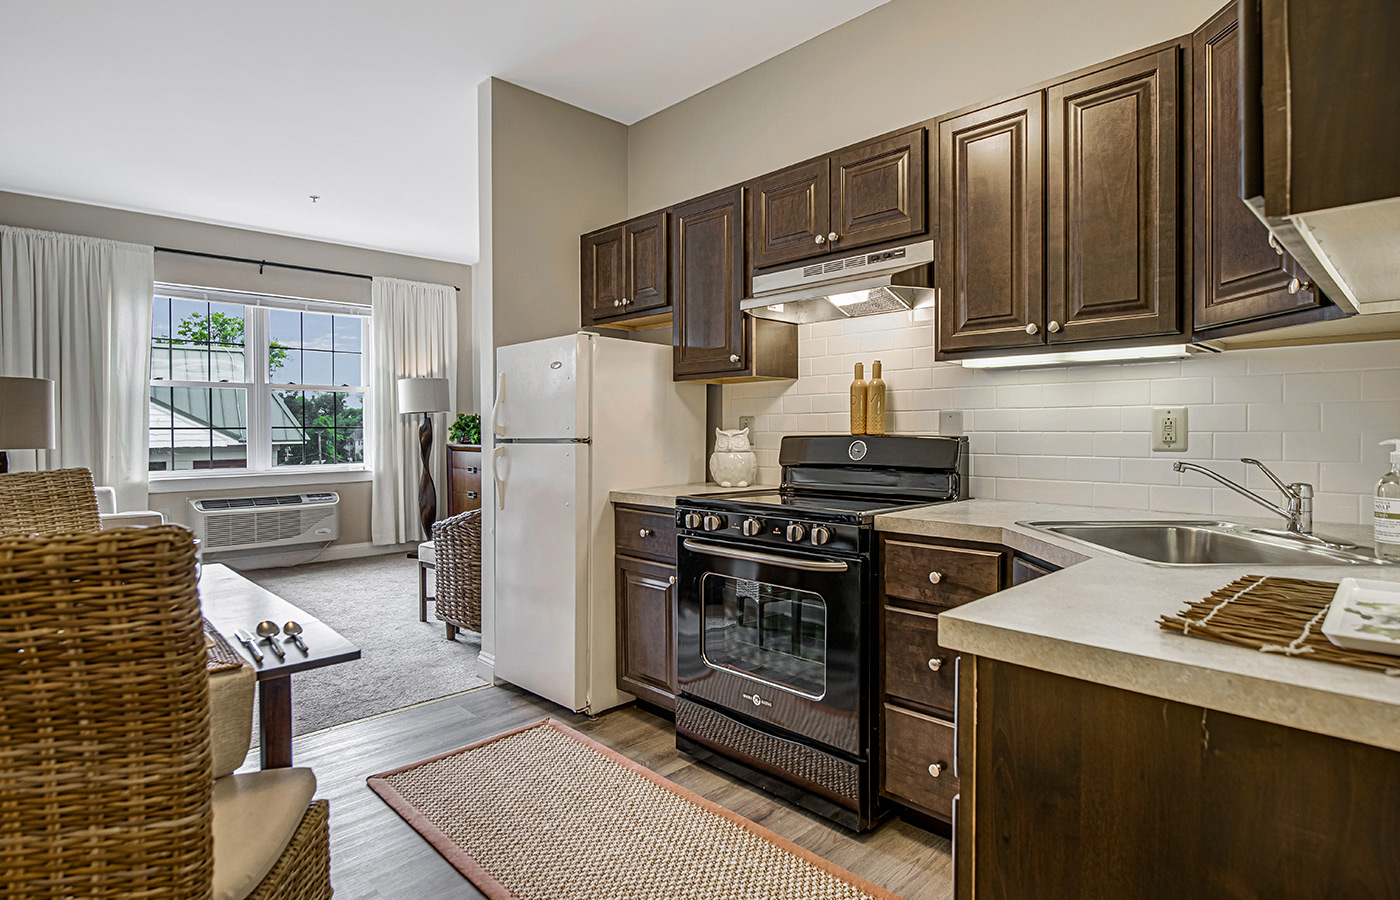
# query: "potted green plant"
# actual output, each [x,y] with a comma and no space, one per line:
[466,430]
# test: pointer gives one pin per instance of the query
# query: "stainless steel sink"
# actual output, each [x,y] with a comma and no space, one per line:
[1203,543]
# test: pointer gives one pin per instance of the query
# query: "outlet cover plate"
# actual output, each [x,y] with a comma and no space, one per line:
[746,422]
[950,421]
[1169,431]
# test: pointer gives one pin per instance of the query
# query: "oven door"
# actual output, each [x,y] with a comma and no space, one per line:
[775,636]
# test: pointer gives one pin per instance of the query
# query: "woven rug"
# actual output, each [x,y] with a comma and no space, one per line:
[544,813]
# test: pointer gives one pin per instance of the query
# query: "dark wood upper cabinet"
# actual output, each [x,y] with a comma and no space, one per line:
[1111,202]
[1241,273]
[601,267]
[707,283]
[858,196]
[644,261]
[991,219]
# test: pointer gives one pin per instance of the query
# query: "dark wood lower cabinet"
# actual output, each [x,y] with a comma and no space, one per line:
[646,642]
[1072,790]
[464,472]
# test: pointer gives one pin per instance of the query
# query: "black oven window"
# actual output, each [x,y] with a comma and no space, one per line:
[774,634]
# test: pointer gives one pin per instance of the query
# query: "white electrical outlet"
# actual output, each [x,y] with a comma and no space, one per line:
[746,422]
[1169,429]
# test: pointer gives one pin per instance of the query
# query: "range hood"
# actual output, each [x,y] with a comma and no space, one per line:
[895,279]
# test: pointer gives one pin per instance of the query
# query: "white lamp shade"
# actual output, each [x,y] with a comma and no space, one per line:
[423,395]
[26,414]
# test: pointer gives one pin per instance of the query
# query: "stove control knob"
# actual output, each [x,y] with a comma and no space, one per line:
[820,535]
[713,523]
[692,520]
[796,532]
[752,527]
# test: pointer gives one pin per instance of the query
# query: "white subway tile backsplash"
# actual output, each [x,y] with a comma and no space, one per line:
[1080,434]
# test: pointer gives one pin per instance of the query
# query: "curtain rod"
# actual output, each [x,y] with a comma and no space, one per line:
[260,263]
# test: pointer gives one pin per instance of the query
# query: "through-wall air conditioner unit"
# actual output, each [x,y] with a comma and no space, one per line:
[248,523]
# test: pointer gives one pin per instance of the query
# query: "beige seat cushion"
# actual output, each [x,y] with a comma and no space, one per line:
[231,694]
[255,816]
[427,553]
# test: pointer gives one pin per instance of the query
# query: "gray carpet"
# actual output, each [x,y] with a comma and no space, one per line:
[373,602]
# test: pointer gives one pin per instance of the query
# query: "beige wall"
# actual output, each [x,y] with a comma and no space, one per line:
[898,64]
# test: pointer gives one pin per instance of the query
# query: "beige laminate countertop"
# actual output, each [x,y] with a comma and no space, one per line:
[1096,620]
[666,494]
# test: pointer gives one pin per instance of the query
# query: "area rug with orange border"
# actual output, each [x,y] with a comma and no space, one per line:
[545,813]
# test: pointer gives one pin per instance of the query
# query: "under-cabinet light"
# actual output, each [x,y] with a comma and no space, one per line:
[1113,354]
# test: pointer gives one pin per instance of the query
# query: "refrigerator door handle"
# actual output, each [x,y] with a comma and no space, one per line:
[496,407]
[496,474]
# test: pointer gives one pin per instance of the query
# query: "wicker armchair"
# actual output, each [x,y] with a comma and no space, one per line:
[106,767]
[57,500]
[457,551]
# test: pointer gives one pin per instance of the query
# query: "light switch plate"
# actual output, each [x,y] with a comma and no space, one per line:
[746,422]
[1169,429]
[950,421]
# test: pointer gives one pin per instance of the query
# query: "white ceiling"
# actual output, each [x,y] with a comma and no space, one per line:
[236,112]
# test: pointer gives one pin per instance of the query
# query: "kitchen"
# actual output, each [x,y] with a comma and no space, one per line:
[1075,436]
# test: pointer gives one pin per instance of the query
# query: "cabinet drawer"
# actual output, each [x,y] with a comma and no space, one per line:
[942,576]
[915,747]
[649,534]
[464,481]
[916,669]
[466,461]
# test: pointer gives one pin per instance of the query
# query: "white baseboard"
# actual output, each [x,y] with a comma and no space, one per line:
[300,556]
[486,667]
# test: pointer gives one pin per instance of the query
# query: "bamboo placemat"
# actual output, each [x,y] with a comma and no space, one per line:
[220,654]
[1274,615]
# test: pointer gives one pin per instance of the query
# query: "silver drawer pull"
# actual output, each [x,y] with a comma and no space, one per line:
[471,470]
[646,532]
[935,664]
[673,580]
[473,495]
[936,769]
[935,577]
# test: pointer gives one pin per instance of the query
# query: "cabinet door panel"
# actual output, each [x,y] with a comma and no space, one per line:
[1238,276]
[646,661]
[991,220]
[645,243]
[791,209]
[602,273]
[1111,207]
[878,191]
[707,282]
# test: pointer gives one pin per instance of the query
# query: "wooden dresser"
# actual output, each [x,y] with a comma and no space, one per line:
[464,478]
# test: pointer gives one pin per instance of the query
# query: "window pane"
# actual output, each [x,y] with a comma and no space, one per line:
[352,445]
[349,333]
[226,362]
[189,361]
[226,324]
[189,319]
[192,448]
[316,367]
[285,366]
[315,331]
[317,428]
[347,369]
[160,317]
[285,327]
[228,409]
[160,362]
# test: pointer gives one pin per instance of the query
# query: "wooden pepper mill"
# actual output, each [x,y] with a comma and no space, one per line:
[858,401]
[875,402]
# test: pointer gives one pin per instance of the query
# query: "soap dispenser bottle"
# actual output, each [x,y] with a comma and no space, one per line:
[1387,514]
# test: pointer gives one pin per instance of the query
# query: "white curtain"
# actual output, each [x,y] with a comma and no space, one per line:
[78,310]
[415,336]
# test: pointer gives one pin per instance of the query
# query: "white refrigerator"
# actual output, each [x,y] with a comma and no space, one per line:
[575,418]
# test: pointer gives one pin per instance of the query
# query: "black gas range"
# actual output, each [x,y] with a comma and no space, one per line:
[776,621]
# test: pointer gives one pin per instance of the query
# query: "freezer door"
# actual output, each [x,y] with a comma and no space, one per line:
[543,389]
[542,572]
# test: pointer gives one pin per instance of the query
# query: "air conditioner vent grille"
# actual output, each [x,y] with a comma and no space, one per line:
[242,523]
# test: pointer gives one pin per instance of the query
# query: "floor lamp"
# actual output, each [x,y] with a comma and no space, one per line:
[26,416]
[426,396]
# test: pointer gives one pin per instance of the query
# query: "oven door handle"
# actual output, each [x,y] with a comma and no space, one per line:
[787,562]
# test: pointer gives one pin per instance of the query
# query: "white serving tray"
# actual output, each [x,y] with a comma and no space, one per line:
[1365,615]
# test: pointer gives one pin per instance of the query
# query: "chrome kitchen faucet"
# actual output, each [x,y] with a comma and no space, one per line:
[1299,496]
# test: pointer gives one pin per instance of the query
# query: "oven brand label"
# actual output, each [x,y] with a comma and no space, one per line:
[757,700]
[857,450]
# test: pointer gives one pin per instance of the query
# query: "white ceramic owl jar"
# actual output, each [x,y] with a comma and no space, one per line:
[733,464]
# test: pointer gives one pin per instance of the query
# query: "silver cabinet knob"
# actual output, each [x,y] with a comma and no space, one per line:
[935,664]
[624,301]
[672,580]
[1273,242]
[733,357]
[820,535]
[752,527]
[617,303]
[833,237]
[713,523]
[1053,326]
[936,769]
[821,239]
[1032,328]
[935,577]
[795,532]
[692,520]
[1295,285]
[646,532]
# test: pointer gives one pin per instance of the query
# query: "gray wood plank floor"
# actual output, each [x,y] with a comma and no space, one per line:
[376,856]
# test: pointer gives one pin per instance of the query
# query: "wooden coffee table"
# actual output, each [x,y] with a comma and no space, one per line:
[231,602]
